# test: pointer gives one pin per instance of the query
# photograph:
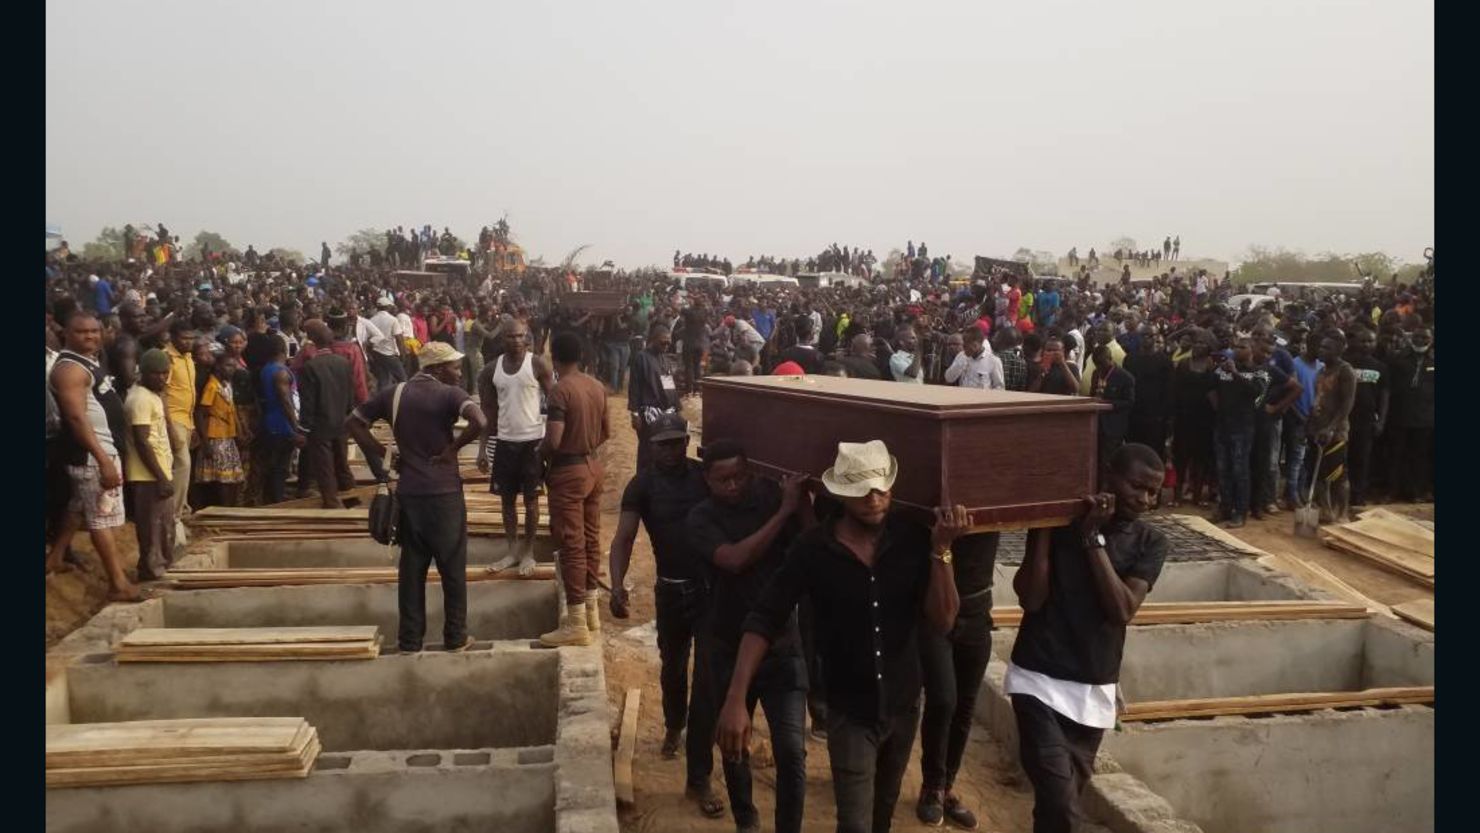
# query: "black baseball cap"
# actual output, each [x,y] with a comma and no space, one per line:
[670,426]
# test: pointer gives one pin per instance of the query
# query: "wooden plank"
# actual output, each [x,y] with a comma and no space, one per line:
[1275,703]
[188,736]
[264,577]
[1344,544]
[1419,611]
[254,636]
[184,773]
[1399,529]
[627,748]
[1332,582]
[1411,558]
[1171,613]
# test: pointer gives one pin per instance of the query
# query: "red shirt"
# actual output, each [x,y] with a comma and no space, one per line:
[351,352]
[1014,298]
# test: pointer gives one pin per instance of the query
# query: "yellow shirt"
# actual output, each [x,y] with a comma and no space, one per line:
[1117,357]
[179,389]
[144,407]
[221,410]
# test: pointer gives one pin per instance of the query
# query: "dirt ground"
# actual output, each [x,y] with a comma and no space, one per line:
[76,596]
[988,782]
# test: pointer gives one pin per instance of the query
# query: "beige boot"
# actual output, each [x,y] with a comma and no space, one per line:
[572,630]
[593,611]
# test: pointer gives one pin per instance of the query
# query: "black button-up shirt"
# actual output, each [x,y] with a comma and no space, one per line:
[1069,637]
[712,525]
[662,498]
[865,621]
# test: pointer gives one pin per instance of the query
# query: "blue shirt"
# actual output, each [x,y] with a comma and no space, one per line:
[764,323]
[273,418]
[1306,373]
[103,297]
[1048,306]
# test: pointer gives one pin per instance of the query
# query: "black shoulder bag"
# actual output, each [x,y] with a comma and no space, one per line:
[385,510]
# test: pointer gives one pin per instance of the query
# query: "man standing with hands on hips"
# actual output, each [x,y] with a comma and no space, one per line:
[1079,586]
[871,577]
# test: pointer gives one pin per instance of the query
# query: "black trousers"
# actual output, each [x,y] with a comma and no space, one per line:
[388,370]
[680,613]
[868,762]
[1058,755]
[433,529]
[1359,459]
[1412,461]
[780,688]
[953,667]
[816,681]
[278,454]
[693,364]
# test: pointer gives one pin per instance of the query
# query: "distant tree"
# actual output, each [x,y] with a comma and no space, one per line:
[292,257]
[108,246]
[207,241]
[1267,265]
[361,242]
[1126,243]
[1041,262]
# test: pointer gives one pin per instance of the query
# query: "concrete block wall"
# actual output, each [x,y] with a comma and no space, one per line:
[410,791]
[497,610]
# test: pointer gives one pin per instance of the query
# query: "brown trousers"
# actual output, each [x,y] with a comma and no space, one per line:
[154,525]
[574,495]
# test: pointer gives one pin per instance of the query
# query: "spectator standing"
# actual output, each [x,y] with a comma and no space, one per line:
[149,463]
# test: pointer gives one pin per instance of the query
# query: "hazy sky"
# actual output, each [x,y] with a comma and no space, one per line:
[750,127]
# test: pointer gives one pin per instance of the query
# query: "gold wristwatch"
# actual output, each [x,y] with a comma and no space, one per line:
[943,557]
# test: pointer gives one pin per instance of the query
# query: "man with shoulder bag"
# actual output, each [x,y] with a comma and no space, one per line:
[432,517]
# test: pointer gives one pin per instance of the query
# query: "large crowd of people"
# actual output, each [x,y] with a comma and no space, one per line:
[175,384]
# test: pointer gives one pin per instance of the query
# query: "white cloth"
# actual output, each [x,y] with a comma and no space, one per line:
[983,372]
[1085,704]
[748,335]
[371,338]
[519,417]
[390,327]
[899,362]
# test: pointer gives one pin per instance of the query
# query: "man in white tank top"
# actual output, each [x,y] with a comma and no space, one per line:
[511,391]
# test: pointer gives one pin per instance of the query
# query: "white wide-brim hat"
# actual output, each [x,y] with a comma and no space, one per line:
[861,468]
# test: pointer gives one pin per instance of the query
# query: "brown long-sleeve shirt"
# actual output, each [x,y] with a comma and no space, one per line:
[1336,390]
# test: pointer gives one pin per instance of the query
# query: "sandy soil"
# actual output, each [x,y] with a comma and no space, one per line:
[76,596]
[988,782]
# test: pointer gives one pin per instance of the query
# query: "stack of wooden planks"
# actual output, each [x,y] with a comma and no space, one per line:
[1419,611]
[249,644]
[1388,540]
[176,751]
[268,523]
[1181,613]
[204,579]
[1275,703]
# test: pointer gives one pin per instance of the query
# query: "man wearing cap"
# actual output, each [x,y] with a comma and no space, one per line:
[433,522]
[651,392]
[660,498]
[1079,586]
[871,577]
[382,338]
[742,531]
[510,390]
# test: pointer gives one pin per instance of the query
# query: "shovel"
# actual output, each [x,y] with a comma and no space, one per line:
[1308,516]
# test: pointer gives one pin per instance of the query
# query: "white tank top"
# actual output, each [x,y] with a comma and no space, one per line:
[519,417]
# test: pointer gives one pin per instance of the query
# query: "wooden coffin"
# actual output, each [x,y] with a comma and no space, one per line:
[1015,460]
[597,302]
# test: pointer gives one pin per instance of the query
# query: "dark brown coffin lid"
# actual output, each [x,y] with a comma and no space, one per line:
[932,401]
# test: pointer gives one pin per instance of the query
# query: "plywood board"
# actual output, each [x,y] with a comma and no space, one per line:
[627,747]
[248,636]
[1275,703]
[1419,611]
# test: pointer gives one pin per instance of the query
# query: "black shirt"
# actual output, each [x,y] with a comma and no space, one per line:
[865,622]
[809,358]
[1372,379]
[1153,373]
[1239,394]
[711,525]
[646,389]
[663,499]
[1069,637]
[325,392]
[860,367]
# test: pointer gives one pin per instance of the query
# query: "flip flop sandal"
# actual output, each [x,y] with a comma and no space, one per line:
[709,804]
[141,595]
